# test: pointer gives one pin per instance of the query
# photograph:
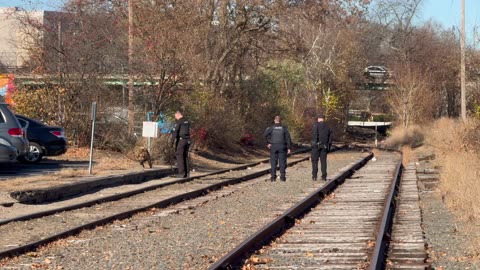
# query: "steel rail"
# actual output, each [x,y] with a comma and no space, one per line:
[126,214]
[285,221]
[126,194]
[379,255]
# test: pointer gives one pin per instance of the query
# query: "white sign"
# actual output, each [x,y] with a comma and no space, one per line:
[150,129]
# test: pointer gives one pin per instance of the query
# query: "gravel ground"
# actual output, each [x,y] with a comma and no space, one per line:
[50,173]
[18,233]
[19,209]
[191,239]
[448,246]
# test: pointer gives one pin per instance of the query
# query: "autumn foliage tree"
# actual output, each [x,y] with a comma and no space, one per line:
[233,65]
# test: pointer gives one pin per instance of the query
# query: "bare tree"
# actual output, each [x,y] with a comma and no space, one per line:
[398,16]
[75,52]
[411,100]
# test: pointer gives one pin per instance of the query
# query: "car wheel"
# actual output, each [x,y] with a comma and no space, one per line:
[34,155]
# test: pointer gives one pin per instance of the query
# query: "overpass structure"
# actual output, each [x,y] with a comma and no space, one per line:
[369,124]
[380,127]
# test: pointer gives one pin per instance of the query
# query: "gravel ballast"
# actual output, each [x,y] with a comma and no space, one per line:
[20,233]
[189,239]
[448,246]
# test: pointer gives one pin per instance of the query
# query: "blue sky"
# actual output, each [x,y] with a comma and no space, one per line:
[446,12]
[29,4]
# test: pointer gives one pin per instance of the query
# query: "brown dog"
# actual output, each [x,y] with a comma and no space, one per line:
[144,156]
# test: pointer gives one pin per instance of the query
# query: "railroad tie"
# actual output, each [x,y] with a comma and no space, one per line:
[340,232]
[407,246]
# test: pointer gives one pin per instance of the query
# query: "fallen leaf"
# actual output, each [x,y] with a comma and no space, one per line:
[33,254]
[256,260]
[371,243]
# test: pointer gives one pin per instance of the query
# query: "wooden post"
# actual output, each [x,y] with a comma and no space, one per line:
[462,63]
[131,91]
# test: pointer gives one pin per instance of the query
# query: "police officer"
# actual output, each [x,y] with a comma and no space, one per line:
[321,144]
[278,141]
[181,142]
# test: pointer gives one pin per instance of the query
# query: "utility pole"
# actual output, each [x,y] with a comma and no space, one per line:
[475,36]
[59,44]
[462,63]
[475,40]
[131,94]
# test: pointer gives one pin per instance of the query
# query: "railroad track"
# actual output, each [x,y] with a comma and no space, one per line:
[113,194]
[43,227]
[407,247]
[342,225]
[339,233]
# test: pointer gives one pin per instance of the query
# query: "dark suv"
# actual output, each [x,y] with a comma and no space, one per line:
[12,135]
[44,140]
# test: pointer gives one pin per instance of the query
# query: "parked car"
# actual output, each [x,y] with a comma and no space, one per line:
[8,154]
[44,140]
[12,135]
[380,72]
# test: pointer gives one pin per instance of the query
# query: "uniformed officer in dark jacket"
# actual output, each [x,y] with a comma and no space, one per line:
[321,144]
[278,141]
[181,142]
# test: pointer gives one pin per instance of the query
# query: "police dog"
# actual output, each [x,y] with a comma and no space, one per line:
[144,156]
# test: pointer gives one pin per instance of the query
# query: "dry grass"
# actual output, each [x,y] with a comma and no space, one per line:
[456,147]
[376,152]
[106,163]
[461,191]
[404,139]
[407,154]
[104,160]
[66,176]
[459,183]
[449,135]
[111,163]
[76,153]
[399,137]
[69,173]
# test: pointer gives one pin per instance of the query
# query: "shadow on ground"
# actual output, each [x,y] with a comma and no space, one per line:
[46,166]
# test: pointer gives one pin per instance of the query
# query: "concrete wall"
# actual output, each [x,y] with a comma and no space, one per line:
[8,39]
[15,38]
